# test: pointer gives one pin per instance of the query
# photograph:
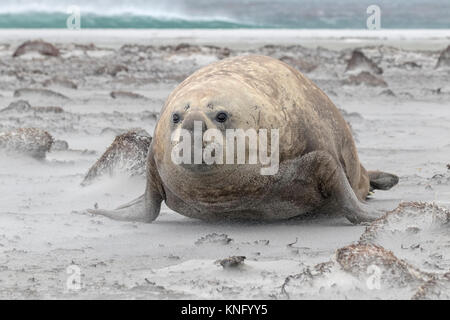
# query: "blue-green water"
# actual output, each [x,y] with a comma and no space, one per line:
[337,14]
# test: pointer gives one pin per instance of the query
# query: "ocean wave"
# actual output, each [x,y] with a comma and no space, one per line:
[293,14]
[113,14]
[58,20]
[155,9]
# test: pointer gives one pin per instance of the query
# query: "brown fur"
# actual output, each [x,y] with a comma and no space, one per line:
[319,164]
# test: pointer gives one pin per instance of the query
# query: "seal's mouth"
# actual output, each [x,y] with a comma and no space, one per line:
[201,168]
[200,165]
[198,168]
[196,161]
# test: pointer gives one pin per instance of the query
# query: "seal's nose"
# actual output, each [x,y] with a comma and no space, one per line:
[195,121]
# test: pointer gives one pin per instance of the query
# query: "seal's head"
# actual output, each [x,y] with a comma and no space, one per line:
[198,125]
[201,123]
[208,135]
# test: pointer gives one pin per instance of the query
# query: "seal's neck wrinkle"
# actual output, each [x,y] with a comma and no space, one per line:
[225,183]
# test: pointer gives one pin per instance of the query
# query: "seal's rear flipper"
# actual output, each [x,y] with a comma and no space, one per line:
[137,210]
[382,180]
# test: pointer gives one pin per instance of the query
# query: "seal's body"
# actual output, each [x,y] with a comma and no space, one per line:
[319,167]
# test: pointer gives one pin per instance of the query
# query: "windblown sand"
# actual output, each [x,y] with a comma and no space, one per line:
[400,127]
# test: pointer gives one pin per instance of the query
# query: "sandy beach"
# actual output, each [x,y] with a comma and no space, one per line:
[106,83]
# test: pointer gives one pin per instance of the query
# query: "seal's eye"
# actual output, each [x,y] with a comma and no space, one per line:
[175,118]
[221,117]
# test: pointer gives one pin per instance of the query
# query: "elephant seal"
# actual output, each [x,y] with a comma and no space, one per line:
[318,165]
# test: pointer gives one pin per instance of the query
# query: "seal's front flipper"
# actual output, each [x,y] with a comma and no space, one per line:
[145,208]
[382,180]
[353,209]
[334,185]
[138,210]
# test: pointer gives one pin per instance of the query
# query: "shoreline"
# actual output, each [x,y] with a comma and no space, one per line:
[412,39]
